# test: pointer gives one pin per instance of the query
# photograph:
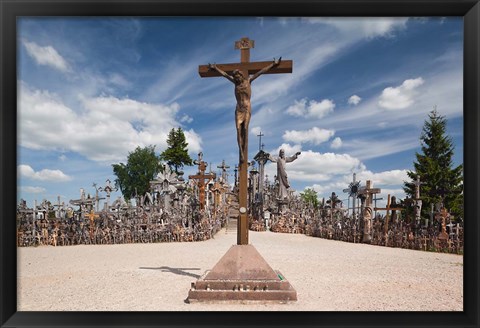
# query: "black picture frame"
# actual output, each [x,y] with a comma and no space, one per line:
[10,10]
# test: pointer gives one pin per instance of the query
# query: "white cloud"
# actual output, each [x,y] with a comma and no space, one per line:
[370,27]
[186,119]
[46,56]
[118,79]
[314,136]
[194,141]
[315,167]
[312,108]
[62,157]
[375,148]
[33,190]
[389,178]
[400,97]
[106,129]
[256,130]
[26,171]
[354,100]
[336,143]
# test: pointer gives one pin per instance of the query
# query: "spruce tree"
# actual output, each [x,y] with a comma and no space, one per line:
[440,181]
[176,155]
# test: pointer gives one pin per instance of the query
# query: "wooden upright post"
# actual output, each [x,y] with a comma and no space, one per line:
[246,68]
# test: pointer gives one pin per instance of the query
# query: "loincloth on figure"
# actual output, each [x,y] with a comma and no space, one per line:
[242,114]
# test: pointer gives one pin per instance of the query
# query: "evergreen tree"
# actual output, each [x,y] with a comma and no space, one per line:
[440,181]
[176,155]
[134,177]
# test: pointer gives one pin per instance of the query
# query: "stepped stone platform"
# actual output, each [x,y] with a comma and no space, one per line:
[242,274]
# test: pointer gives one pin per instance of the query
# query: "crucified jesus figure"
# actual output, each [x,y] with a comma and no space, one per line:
[243,93]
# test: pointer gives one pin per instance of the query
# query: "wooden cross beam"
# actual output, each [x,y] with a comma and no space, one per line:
[388,208]
[368,191]
[242,83]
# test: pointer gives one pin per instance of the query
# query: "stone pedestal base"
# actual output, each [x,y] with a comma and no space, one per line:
[242,274]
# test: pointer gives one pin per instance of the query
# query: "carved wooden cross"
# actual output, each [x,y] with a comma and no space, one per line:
[246,68]
[443,215]
[417,185]
[92,217]
[224,168]
[200,178]
[388,208]
[368,191]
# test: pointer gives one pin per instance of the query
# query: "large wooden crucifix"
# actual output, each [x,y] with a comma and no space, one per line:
[242,75]
[200,178]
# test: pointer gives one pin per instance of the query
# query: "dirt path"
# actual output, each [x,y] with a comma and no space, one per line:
[328,276]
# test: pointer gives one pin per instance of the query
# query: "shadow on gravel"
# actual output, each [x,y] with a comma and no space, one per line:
[179,271]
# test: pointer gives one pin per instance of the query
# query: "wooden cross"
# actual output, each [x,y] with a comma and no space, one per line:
[260,140]
[91,216]
[368,191]
[200,178]
[217,190]
[224,168]
[443,215]
[246,68]
[417,185]
[388,208]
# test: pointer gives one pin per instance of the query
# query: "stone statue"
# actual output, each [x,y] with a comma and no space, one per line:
[243,93]
[281,161]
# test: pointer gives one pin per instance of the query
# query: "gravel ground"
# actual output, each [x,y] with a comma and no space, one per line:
[327,275]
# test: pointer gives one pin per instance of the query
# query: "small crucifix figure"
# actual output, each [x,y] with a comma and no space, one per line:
[224,168]
[200,178]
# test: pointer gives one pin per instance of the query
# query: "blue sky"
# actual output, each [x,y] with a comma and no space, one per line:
[90,90]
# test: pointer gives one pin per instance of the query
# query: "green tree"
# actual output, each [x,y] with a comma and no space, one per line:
[441,182]
[176,155]
[134,177]
[309,196]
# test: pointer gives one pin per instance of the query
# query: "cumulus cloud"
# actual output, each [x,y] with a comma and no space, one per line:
[389,178]
[106,128]
[46,56]
[336,143]
[311,108]
[314,136]
[26,171]
[400,97]
[354,100]
[314,166]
